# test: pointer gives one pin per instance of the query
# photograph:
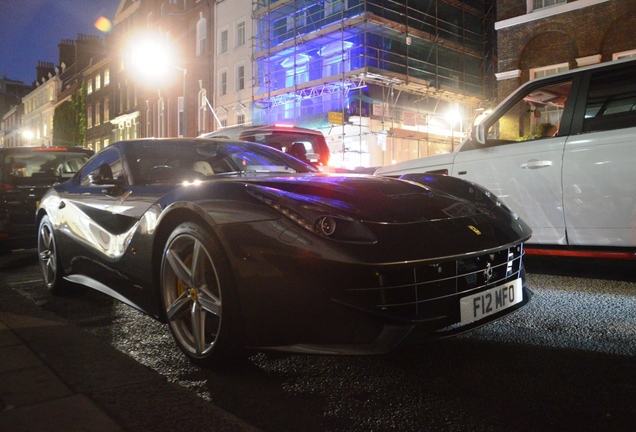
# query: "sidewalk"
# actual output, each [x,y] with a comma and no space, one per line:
[57,377]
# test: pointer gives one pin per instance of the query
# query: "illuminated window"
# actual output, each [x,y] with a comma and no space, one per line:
[89,86]
[89,117]
[98,119]
[106,109]
[106,77]
[98,82]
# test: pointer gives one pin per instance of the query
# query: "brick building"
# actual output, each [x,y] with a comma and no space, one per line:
[541,37]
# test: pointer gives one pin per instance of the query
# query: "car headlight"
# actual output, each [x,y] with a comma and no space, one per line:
[314,214]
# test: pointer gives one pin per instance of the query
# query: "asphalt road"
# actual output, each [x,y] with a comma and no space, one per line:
[566,362]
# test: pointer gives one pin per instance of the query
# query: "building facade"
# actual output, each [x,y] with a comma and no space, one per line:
[97,84]
[540,37]
[385,81]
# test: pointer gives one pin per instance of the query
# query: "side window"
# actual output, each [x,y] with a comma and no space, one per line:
[108,165]
[611,100]
[535,115]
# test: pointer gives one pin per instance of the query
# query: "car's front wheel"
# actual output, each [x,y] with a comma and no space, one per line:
[50,264]
[197,294]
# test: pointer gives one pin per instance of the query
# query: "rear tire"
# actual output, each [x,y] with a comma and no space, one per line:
[50,263]
[198,295]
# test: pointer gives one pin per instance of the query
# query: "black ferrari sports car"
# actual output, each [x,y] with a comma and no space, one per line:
[238,246]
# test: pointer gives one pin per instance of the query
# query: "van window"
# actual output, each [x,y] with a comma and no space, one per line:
[611,100]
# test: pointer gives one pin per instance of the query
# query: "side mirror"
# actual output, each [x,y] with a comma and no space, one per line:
[479,133]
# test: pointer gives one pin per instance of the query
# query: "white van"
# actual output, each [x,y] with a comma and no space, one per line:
[561,152]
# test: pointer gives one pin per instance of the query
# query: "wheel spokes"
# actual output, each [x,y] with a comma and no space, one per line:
[47,255]
[179,307]
[198,327]
[193,300]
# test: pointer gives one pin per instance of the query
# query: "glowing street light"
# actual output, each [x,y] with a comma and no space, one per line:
[151,59]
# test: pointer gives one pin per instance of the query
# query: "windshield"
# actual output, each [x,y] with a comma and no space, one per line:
[173,162]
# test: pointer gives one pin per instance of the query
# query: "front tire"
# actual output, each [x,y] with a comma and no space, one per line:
[50,263]
[198,294]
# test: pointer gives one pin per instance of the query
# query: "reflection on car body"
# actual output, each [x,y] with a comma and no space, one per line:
[238,245]
[559,152]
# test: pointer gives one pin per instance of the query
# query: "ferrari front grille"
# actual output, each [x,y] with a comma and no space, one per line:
[432,290]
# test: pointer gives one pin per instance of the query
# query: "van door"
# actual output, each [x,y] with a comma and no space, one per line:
[521,161]
[599,168]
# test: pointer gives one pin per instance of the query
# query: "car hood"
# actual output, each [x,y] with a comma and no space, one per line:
[377,199]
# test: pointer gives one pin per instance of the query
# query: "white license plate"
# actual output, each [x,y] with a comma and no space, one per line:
[482,304]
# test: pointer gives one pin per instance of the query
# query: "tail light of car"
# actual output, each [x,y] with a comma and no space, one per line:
[4,187]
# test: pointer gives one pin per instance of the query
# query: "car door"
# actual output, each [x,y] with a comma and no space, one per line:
[599,167]
[85,213]
[521,160]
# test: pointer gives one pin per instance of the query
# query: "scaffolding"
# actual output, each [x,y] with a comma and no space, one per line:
[378,77]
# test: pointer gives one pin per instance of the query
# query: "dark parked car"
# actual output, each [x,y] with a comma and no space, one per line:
[238,245]
[25,175]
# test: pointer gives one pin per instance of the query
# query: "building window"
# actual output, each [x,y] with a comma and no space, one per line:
[624,54]
[297,20]
[160,117]
[148,123]
[106,77]
[223,83]
[240,34]
[223,41]
[89,86]
[202,110]
[98,119]
[98,82]
[548,113]
[240,119]
[201,36]
[89,117]
[106,109]
[240,77]
[181,117]
[334,6]
[540,4]
[106,142]
[548,70]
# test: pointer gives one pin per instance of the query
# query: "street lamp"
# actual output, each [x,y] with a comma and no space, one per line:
[150,60]
[30,136]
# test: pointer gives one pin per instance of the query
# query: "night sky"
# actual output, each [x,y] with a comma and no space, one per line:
[30,31]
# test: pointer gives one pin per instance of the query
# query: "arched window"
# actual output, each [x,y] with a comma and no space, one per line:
[201,36]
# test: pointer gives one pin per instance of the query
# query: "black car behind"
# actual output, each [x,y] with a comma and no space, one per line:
[25,175]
